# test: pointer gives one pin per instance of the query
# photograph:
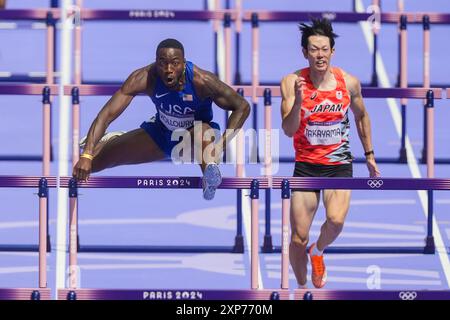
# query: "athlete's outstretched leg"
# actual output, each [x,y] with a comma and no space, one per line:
[132,147]
[204,136]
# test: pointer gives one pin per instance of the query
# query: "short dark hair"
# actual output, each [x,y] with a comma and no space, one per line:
[170,43]
[319,27]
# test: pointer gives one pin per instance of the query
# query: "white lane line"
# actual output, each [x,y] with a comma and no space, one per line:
[20,254]
[63,154]
[9,270]
[226,264]
[412,163]
[359,256]
[383,270]
[384,281]
[246,212]
[8,25]
[19,224]
[365,202]
[369,225]
[213,263]
[364,235]
[159,266]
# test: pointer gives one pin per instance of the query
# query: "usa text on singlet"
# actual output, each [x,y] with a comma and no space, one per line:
[179,109]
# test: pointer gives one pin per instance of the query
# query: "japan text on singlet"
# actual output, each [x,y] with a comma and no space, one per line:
[179,109]
[323,135]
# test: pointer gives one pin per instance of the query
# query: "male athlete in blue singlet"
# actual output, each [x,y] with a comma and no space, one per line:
[183,95]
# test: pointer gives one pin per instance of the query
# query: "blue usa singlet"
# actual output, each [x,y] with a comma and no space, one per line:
[179,109]
[176,110]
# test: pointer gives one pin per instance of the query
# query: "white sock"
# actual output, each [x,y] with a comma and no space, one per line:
[302,286]
[316,252]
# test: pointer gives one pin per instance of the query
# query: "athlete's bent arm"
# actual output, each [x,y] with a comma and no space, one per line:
[291,101]
[135,84]
[362,121]
[227,99]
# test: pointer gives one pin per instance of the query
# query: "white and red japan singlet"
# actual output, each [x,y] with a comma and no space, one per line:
[322,137]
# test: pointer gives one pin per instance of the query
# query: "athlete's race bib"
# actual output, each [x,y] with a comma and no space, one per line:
[323,133]
[179,122]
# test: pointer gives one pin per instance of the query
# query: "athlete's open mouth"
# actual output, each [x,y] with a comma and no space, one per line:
[320,63]
[170,80]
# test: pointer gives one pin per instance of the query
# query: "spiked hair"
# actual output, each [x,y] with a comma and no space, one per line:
[319,27]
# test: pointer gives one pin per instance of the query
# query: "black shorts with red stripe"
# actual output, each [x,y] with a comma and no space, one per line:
[306,169]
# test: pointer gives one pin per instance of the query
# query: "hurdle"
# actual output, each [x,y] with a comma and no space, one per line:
[285,184]
[148,15]
[99,90]
[413,93]
[400,18]
[83,14]
[256,16]
[42,184]
[426,24]
[49,16]
[36,24]
[428,184]
[179,183]
[314,294]
[237,44]
[46,91]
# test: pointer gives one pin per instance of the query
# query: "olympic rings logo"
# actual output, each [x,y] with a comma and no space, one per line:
[375,183]
[407,295]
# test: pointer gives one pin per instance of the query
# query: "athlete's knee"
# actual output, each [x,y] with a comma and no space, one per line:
[299,239]
[336,222]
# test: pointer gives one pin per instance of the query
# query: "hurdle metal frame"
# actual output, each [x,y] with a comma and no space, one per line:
[287,183]
[41,292]
[255,292]
[217,15]
[315,294]
[30,77]
[148,15]
[371,184]
[46,91]
[412,93]
[238,246]
[402,18]
[50,16]
[284,184]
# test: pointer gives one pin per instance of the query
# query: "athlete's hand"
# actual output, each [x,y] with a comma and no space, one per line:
[300,82]
[82,169]
[373,168]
